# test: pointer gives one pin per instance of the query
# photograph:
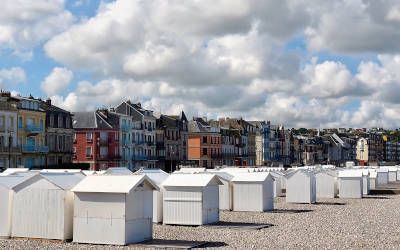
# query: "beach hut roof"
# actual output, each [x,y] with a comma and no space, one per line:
[191,180]
[156,175]
[111,183]
[252,177]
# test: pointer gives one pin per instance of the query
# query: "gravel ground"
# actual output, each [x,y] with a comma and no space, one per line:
[372,223]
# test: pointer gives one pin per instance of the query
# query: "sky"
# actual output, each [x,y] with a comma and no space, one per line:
[300,63]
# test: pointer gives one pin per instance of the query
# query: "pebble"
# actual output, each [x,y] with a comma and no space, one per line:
[330,224]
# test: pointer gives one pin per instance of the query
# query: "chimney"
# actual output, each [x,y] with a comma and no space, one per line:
[48,101]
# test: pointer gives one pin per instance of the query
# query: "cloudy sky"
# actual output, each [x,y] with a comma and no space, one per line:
[312,63]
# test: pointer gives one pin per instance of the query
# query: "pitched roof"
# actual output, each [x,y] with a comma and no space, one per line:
[111,183]
[191,180]
[118,171]
[93,119]
[65,181]
[251,177]
[156,175]
[12,180]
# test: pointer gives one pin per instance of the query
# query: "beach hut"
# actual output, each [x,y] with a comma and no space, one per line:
[366,181]
[382,177]
[184,170]
[372,178]
[253,192]
[157,176]
[301,187]
[191,199]
[118,171]
[392,174]
[43,206]
[225,190]
[113,209]
[326,184]
[278,177]
[350,184]
[398,173]
[6,198]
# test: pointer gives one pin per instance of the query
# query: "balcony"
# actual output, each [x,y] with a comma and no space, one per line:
[125,128]
[138,142]
[139,157]
[152,158]
[33,129]
[125,142]
[35,149]
[5,149]
[150,143]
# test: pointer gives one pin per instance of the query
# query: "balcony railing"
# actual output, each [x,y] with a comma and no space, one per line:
[32,128]
[35,149]
[139,157]
[5,149]
[150,143]
[125,128]
[152,158]
[138,142]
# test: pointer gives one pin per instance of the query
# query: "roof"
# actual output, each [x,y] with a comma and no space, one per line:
[350,174]
[14,170]
[51,108]
[65,181]
[95,119]
[382,170]
[190,170]
[61,171]
[223,175]
[302,171]
[252,177]
[12,180]
[191,180]
[111,183]
[156,175]
[118,171]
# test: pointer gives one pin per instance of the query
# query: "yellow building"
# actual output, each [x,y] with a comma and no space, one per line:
[31,133]
[362,151]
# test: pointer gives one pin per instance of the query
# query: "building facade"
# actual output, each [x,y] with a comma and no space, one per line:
[59,134]
[96,140]
[31,132]
[10,152]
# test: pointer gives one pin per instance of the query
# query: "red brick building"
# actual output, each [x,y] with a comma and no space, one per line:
[96,139]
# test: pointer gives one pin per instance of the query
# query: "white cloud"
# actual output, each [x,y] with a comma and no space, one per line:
[10,77]
[24,24]
[56,81]
[226,57]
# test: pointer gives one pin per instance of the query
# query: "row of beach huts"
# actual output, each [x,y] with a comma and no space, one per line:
[119,207]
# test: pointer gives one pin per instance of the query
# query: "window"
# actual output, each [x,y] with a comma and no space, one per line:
[74,150]
[2,125]
[204,139]
[88,151]
[74,137]
[41,123]
[204,151]
[116,136]
[89,136]
[11,123]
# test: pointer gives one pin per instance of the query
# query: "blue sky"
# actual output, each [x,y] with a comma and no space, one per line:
[290,62]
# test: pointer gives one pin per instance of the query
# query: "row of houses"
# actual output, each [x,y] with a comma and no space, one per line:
[35,133]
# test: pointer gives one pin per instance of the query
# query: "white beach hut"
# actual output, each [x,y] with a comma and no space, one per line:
[366,181]
[301,187]
[158,176]
[191,199]
[6,198]
[253,192]
[372,178]
[326,184]
[118,171]
[113,209]
[382,177]
[278,177]
[392,174]
[398,173]
[350,184]
[43,206]
[225,190]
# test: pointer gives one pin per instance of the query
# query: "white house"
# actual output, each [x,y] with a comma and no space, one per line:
[382,177]
[113,209]
[350,184]
[253,192]
[191,199]
[326,184]
[6,199]
[301,187]
[43,206]
[158,176]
